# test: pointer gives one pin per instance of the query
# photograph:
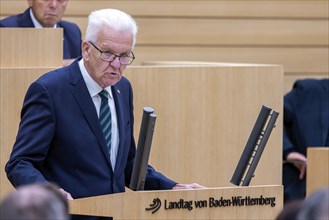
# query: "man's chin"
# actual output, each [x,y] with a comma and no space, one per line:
[111,83]
[50,22]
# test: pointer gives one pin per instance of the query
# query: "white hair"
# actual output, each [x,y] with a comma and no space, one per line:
[112,18]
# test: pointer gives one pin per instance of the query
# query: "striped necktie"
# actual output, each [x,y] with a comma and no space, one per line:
[105,118]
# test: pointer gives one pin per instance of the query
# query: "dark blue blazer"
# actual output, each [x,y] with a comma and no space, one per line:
[60,140]
[72,33]
[306,124]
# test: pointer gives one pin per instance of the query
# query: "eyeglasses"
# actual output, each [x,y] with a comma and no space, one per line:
[124,59]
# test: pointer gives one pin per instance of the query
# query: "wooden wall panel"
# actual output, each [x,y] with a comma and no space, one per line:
[289,79]
[297,9]
[292,33]
[225,32]
[313,61]
[31,50]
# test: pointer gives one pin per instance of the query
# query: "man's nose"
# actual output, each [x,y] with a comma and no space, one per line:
[116,62]
[53,3]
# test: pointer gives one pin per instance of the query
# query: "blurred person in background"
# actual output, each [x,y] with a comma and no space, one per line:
[306,124]
[48,14]
[316,206]
[35,202]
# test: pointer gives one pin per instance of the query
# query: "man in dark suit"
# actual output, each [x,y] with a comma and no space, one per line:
[306,124]
[48,14]
[61,138]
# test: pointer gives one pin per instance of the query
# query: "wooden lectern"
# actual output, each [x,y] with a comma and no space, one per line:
[256,202]
[317,169]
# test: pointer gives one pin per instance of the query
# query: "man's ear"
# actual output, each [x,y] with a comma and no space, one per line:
[85,47]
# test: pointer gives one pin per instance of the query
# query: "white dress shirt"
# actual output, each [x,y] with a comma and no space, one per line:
[94,89]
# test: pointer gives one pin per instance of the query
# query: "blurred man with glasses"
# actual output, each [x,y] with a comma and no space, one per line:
[60,138]
[48,14]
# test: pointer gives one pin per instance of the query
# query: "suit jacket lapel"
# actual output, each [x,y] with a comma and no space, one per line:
[65,43]
[325,111]
[25,20]
[80,92]
[118,105]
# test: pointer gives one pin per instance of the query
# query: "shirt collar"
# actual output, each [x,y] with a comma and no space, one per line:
[36,22]
[92,86]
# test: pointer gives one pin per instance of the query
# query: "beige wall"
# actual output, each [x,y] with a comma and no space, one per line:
[290,33]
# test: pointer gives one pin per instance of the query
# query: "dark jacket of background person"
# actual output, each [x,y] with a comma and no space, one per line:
[306,124]
[71,32]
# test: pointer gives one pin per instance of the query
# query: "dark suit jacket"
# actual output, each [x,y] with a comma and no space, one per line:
[306,124]
[72,33]
[60,139]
